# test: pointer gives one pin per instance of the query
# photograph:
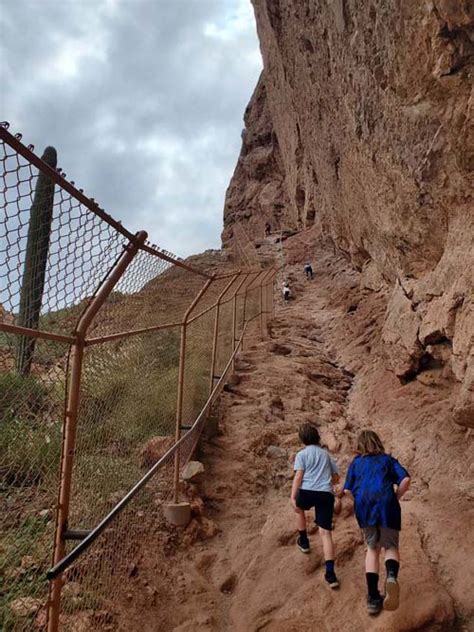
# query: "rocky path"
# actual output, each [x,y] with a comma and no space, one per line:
[251,577]
[236,567]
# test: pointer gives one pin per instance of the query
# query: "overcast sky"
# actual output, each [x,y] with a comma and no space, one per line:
[143,99]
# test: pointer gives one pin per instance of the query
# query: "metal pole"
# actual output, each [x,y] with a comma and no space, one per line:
[249,287]
[262,304]
[234,315]
[179,398]
[216,330]
[70,419]
[273,295]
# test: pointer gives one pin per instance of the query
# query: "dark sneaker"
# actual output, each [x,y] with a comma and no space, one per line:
[331,580]
[392,593]
[303,545]
[374,604]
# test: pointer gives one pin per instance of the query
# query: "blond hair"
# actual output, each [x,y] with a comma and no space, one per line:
[368,442]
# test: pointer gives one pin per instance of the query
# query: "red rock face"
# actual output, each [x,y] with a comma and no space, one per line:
[363,122]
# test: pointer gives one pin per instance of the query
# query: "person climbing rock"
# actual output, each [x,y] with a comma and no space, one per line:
[371,478]
[286,291]
[308,270]
[316,473]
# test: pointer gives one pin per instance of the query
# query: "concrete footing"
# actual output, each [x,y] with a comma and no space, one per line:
[178,514]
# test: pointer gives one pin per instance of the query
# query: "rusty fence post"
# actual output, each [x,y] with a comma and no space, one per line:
[263,303]
[212,376]
[180,394]
[248,288]
[71,417]
[234,314]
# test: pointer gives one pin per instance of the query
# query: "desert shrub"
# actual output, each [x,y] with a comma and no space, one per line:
[21,396]
[29,452]
[129,393]
[24,561]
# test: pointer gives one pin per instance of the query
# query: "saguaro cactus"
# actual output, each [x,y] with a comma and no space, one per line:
[34,272]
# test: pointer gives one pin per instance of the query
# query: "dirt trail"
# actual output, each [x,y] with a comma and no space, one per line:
[250,576]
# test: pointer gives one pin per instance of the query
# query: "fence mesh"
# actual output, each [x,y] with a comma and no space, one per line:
[58,251]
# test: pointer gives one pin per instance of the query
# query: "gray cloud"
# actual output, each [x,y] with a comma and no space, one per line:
[143,100]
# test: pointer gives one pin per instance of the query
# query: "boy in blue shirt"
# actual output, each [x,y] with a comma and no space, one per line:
[371,478]
[315,475]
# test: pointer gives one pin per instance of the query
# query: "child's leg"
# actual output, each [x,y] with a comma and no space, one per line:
[328,544]
[324,509]
[389,540]
[302,541]
[372,560]
[300,520]
[372,564]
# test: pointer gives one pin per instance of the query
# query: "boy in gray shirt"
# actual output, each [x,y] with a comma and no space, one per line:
[315,474]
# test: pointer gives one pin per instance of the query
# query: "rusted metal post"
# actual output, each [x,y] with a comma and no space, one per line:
[263,306]
[216,330]
[71,416]
[179,398]
[234,315]
[247,288]
[272,297]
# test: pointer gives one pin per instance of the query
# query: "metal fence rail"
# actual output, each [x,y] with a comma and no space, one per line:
[112,352]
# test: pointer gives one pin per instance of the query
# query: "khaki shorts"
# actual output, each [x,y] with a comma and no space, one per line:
[381,537]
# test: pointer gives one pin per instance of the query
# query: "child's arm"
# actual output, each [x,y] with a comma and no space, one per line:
[295,487]
[403,487]
[350,481]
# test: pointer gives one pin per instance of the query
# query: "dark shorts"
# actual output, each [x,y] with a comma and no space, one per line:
[381,537]
[323,503]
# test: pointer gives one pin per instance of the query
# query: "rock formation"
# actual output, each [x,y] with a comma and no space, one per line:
[363,123]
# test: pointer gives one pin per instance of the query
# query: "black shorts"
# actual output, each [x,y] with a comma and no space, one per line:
[323,503]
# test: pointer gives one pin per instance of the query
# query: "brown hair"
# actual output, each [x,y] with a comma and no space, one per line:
[368,442]
[308,434]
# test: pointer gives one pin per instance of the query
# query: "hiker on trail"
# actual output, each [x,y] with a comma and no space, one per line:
[308,270]
[370,479]
[315,475]
[268,229]
[286,291]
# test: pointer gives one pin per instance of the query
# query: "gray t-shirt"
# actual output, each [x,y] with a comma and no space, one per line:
[318,468]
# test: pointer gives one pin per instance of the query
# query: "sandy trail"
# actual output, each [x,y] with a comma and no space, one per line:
[250,576]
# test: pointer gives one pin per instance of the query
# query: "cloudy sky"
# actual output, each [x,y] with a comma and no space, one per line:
[143,99]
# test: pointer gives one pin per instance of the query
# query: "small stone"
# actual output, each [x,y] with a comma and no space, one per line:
[275,452]
[25,606]
[28,562]
[192,471]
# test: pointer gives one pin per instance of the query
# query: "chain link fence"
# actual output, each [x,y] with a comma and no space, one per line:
[112,352]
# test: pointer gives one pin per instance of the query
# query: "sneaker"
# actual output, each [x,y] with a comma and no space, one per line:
[374,604]
[331,580]
[392,593]
[303,545]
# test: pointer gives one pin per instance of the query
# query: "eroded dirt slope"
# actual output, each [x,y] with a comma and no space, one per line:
[236,567]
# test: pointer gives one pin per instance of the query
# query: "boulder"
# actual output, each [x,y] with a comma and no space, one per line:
[192,472]
[275,452]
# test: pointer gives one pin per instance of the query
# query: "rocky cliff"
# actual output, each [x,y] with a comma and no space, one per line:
[363,123]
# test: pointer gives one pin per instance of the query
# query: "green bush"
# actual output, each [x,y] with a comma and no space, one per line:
[21,396]
[29,452]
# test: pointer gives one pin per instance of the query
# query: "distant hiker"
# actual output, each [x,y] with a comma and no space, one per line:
[286,291]
[315,474]
[370,479]
[268,229]
[308,270]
